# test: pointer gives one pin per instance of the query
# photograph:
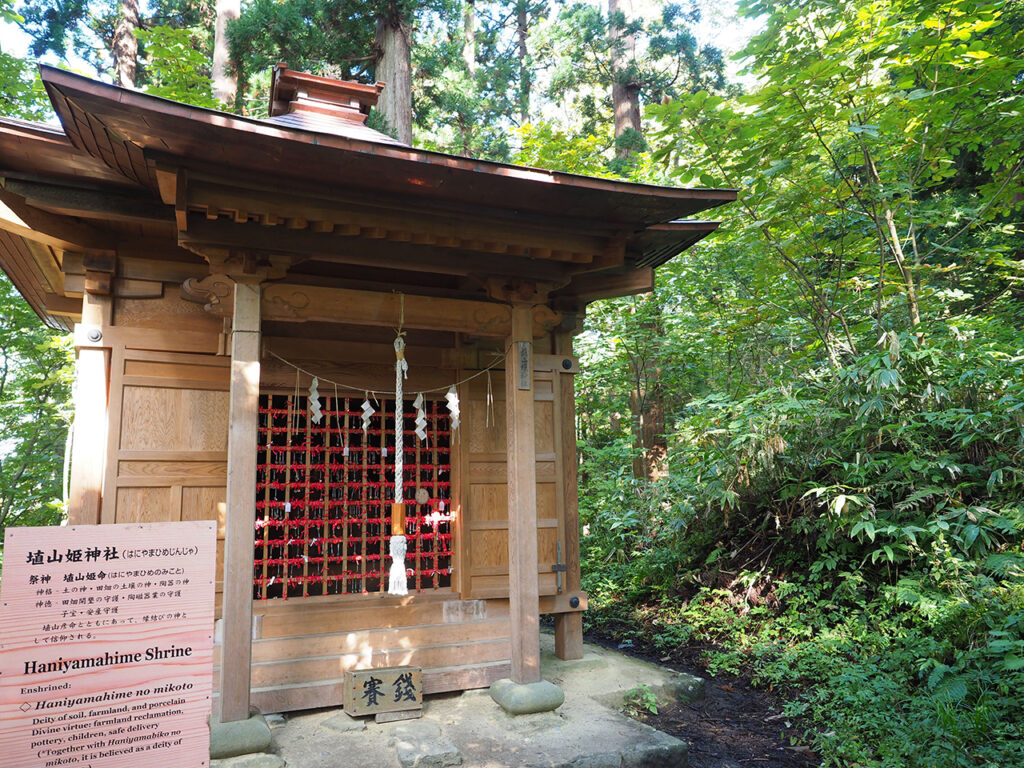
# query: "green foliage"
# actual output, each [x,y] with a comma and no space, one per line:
[326,38]
[85,28]
[472,111]
[640,700]
[21,91]
[841,515]
[888,686]
[879,164]
[178,66]
[544,145]
[35,387]
[584,57]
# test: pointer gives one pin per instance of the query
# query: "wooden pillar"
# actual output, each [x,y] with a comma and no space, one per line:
[89,448]
[236,648]
[568,626]
[524,596]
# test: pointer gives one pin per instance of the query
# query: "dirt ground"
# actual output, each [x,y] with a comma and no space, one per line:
[736,726]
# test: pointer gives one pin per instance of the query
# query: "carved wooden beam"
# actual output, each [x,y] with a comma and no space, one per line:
[302,303]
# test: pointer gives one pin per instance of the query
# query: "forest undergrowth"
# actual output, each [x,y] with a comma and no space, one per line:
[853,542]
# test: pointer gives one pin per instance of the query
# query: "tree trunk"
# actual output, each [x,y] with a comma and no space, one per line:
[625,91]
[895,247]
[125,46]
[394,69]
[224,83]
[646,397]
[522,32]
[469,36]
[649,439]
[646,401]
[467,122]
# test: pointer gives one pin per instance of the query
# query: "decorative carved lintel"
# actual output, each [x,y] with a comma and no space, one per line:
[211,291]
[526,292]
[546,317]
[243,265]
[515,291]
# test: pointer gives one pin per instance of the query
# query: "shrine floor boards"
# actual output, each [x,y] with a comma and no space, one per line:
[469,729]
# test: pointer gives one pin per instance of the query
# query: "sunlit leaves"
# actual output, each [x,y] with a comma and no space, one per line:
[178,66]
[35,375]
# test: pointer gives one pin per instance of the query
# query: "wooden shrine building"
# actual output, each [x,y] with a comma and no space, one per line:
[211,265]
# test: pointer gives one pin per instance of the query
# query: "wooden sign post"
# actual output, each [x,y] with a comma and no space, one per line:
[106,645]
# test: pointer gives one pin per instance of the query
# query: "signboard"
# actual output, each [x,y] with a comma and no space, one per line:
[386,689]
[106,645]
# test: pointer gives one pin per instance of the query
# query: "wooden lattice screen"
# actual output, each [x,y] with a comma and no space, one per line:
[323,498]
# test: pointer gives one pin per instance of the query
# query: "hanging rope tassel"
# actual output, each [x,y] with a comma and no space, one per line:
[397,583]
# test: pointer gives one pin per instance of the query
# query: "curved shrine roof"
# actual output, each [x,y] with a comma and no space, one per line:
[315,177]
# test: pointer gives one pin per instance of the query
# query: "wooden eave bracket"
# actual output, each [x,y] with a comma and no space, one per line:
[57,304]
[211,292]
[99,273]
[197,197]
[84,272]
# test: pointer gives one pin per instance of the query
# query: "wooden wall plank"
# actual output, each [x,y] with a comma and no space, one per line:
[353,642]
[162,419]
[144,505]
[294,671]
[357,613]
[320,693]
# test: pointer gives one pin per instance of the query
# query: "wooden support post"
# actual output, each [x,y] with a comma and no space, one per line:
[236,652]
[90,427]
[524,597]
[568,626]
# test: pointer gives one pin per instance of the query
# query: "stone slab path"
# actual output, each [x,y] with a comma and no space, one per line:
[469,729]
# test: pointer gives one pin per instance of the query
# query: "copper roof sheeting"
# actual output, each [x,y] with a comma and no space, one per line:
[317,123]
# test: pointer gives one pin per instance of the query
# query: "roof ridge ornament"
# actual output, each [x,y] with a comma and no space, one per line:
[347,100]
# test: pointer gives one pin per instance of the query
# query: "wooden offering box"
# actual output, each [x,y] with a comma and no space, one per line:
[212,266]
